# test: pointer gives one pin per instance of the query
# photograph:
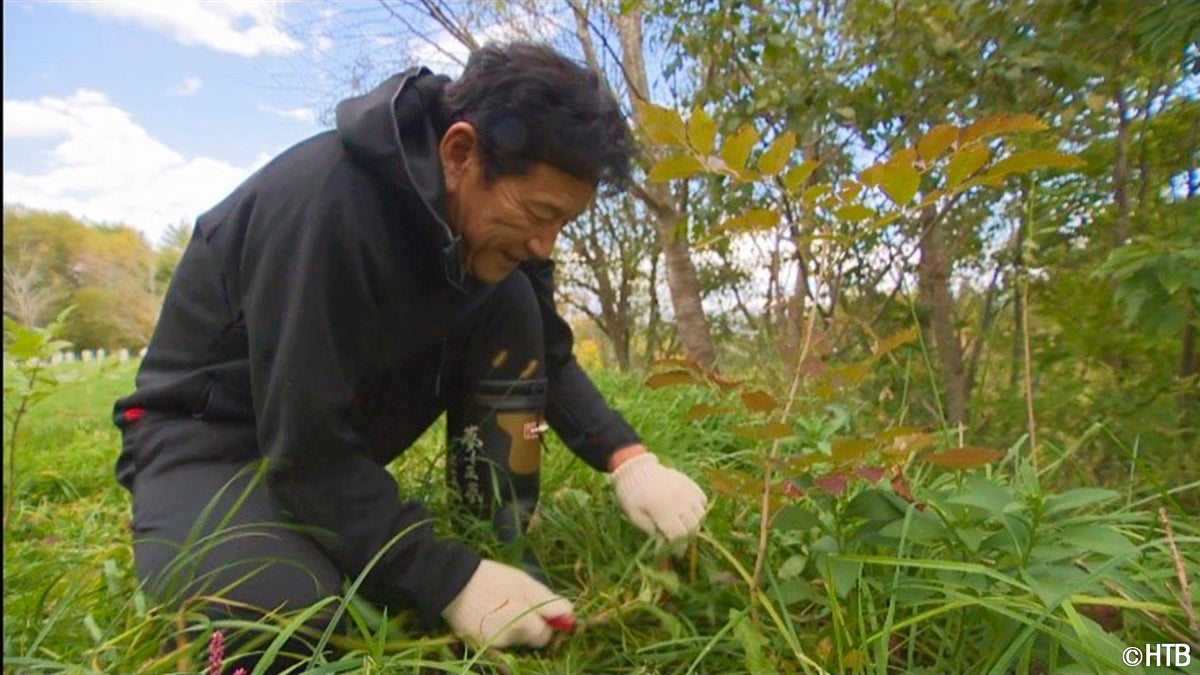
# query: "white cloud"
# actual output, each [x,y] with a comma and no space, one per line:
[105,167]
[306,115]
[245,28]
[188,87]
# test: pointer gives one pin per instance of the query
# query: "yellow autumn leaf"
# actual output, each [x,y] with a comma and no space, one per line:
[796,175]
[899,182]
[1031,160]
[736,149]
[1001,125]
[675,168]
[965,162]
[753,220]
[670,379]
[702,131]
[854,213]
[662,125]
[772,161]
[936,141]
[759,401]
[770,431]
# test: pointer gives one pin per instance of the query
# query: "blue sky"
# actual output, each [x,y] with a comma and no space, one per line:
[149,112]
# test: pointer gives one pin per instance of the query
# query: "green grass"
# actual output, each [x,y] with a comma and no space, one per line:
[993,574]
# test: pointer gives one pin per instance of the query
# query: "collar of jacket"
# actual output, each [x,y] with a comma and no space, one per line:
[395,128]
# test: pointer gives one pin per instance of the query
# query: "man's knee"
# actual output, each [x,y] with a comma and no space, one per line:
[507,340]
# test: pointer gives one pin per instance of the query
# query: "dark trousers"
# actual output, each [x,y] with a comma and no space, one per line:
[209,535]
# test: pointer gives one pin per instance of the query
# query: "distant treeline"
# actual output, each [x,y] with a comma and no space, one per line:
[113,276]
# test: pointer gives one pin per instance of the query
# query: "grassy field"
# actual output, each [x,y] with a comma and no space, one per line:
[873,559]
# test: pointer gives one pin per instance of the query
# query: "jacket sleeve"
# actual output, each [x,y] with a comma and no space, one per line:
[311,315]
[575,408]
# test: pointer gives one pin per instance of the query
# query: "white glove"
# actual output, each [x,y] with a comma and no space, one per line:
[660,501]
[502,606]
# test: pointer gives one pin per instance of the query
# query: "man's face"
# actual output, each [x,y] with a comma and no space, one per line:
[511,218]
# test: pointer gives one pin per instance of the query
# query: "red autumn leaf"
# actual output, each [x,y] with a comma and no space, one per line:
[900,487]
[834,483]
[789,489]
[871,474]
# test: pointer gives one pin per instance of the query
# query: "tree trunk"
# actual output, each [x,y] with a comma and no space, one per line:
[937,308]
[1188,368]
[1121,229]
[1018,342]
[692,325]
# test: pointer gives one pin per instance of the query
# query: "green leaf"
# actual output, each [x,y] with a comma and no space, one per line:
[736,149]
[923,528]
[1103,649]
[796,175]
[772,161]
[1053,583]
[983,493]
[663,126]
[1097,539]
[794,517]
[1030,160]
[964,163]
[752,642]
[1171,273]
[25,343]
[754,220]
[674,168]
[936,141]
[702,131]
[854,213]
[876,506]
[792,567]
[841,574]
[1077,499]
[701,411]
[900,182]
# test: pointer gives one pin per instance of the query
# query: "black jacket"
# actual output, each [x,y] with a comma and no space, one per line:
[328,268]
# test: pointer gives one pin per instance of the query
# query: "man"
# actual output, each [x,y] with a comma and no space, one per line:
[335,304]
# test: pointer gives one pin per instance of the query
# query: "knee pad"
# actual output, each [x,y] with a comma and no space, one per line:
[495,449]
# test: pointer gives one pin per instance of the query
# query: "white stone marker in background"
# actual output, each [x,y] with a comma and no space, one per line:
[86,356]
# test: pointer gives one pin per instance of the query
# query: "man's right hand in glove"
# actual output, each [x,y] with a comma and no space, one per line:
[502,606]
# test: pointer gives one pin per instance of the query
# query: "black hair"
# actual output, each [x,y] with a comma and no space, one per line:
[530,104]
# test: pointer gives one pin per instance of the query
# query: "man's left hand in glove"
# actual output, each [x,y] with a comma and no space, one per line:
[660,501]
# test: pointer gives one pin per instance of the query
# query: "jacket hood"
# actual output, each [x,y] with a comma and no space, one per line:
[395,129]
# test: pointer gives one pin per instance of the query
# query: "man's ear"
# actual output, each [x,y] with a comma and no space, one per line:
[457,150]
